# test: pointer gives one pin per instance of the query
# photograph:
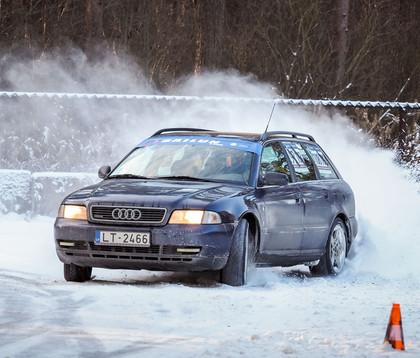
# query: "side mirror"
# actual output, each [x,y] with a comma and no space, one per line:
[104,171]
[274,178]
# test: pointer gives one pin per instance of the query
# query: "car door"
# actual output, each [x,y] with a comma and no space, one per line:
[321,207]
[311,167]
[281,207]
[318,215]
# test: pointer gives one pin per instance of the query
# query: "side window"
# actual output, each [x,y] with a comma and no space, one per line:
[325,169]
[274,160]
[302,164]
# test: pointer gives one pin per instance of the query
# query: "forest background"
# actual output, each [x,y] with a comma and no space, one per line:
[335,49]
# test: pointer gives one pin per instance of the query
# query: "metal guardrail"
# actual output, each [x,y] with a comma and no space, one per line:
[284,101]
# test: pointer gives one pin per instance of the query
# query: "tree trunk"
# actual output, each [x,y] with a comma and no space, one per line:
[93,20]
[342,17]
[210,33]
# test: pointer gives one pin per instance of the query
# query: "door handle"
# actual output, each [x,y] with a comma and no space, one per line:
[327,195]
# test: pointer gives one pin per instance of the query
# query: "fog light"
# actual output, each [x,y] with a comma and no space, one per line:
[67,244]
[188,250]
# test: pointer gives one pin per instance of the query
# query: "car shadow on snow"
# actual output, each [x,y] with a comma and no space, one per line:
[268,276]
[155,278]
[261,277]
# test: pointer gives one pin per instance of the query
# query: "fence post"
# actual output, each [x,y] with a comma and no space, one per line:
[402,135]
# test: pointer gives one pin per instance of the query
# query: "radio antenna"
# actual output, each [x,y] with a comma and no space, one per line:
[271,115]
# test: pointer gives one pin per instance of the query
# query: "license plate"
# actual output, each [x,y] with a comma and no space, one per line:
[121,238]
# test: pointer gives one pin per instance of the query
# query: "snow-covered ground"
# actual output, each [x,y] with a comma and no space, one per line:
[280,313]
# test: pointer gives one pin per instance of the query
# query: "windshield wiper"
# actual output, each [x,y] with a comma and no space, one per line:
[183,177]
[127,176]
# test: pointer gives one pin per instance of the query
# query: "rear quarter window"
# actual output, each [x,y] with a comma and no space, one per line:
[325,169]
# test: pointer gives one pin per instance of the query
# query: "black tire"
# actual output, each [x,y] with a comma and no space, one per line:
[241,255]
[75,273]
[332,261]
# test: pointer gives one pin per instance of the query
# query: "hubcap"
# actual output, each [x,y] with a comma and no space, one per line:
[338,248]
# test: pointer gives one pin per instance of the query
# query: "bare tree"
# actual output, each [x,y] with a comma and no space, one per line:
[93,21]
[342,18]
[355,49]
[210,32]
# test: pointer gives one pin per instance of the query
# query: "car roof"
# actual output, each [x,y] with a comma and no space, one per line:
[252,137]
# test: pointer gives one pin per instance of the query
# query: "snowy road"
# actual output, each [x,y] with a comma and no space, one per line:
[280,313]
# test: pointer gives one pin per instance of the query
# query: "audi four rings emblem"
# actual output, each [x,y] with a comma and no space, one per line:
[126,214]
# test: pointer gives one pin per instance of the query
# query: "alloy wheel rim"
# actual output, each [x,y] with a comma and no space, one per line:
[338,248]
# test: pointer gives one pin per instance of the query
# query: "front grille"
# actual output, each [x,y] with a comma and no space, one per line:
[127,214]
[157,253]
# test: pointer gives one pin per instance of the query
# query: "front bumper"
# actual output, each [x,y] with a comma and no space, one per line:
[210,245]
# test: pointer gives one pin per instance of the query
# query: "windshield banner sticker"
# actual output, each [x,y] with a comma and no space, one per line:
[219,142]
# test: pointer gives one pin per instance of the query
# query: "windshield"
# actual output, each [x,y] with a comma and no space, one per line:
[187,161]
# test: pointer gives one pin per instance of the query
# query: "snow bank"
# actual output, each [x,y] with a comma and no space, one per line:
[49,189]
[15,191]
[29,193]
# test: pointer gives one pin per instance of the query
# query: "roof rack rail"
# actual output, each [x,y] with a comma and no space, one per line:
[285,133]
[181,130]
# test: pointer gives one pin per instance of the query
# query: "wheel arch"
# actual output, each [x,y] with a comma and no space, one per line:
[254,229]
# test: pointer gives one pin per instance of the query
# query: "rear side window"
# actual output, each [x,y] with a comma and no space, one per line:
[325,169]
[302,164]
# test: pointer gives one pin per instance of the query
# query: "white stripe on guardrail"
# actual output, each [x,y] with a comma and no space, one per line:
[306,102]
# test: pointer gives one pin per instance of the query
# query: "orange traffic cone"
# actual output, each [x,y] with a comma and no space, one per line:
[394,332]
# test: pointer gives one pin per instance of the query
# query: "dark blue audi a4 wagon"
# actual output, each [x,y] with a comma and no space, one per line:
[190,199]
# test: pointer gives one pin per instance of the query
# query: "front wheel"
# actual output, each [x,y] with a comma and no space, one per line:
[241,255]
[332,261]
[75,273]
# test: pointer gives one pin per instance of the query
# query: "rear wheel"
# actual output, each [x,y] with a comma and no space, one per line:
[241,256]
[77,273]
[332,261]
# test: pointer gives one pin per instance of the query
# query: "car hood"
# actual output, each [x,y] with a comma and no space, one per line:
[154,193]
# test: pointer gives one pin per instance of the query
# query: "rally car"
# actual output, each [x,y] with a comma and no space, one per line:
[189,199]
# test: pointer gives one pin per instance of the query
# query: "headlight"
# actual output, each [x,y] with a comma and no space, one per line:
[72,212]
[194,217]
